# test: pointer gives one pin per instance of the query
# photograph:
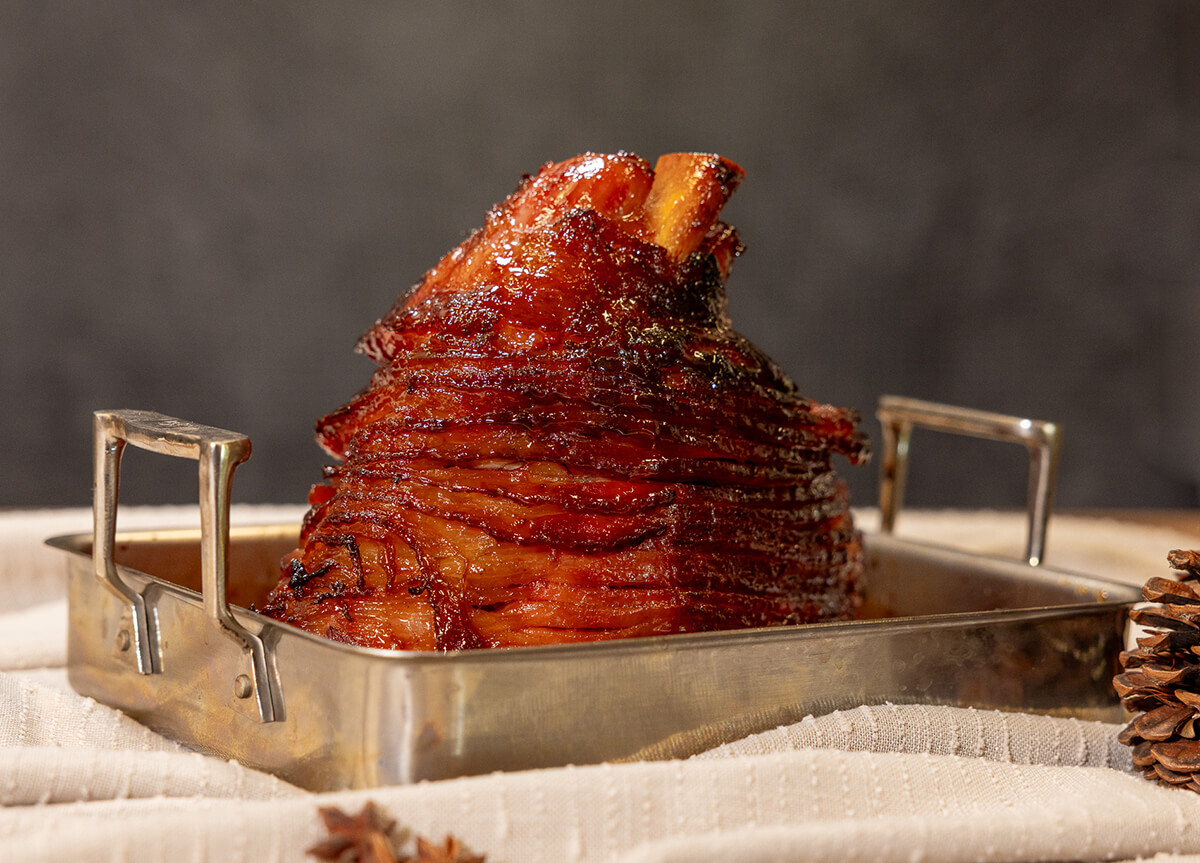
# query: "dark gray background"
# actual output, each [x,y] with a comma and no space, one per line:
[995,204]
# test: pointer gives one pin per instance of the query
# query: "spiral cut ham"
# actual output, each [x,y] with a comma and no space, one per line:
[565,440]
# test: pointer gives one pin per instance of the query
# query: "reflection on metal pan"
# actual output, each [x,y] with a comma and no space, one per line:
[964,630]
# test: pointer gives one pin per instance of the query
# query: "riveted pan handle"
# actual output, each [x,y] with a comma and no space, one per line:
[219,452]
[899,416]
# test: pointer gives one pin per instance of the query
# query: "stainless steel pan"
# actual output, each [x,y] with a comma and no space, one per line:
[159,629]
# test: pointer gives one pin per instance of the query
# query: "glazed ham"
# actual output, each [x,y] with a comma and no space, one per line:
[565,440]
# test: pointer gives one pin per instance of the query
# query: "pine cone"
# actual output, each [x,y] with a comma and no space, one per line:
[1161,681]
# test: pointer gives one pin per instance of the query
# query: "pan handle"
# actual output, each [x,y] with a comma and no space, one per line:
[219,452]
[899,416]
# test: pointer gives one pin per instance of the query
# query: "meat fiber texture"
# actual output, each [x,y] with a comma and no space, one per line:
[565,440]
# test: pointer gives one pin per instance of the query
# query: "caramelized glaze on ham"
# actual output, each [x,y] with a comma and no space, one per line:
[565,439]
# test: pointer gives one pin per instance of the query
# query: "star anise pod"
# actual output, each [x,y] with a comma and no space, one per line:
[448,852]
[367,838]
[361,838]
[1161,681]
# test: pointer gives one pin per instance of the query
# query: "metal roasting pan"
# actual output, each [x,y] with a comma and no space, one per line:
[159,629]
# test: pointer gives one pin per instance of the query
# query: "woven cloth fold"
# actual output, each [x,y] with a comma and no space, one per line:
[1013,738]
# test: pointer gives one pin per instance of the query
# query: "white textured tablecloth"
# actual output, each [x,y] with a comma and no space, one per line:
[81,782]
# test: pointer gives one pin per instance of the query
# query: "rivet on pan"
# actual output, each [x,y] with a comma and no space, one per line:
[123,640]
[242,686]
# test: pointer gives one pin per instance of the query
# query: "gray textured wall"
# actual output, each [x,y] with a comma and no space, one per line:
[989,203]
